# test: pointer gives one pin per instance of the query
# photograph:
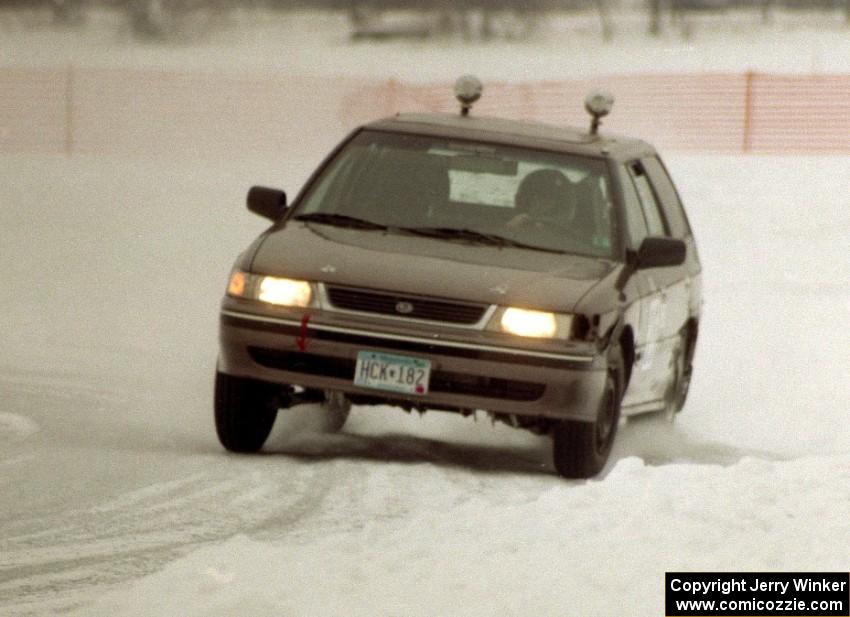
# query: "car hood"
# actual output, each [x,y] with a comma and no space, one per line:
[427,266]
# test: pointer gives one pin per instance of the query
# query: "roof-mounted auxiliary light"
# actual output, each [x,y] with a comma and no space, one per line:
[598,104]
[468,89]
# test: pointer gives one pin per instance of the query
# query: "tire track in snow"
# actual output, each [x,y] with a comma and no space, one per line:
[67,554]
[39,386]
[52,562]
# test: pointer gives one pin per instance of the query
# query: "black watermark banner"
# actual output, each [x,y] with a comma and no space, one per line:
[761,594]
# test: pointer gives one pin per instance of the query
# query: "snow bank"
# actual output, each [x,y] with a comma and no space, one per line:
[595,548]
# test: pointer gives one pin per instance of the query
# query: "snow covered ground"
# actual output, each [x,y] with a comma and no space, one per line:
[115,498]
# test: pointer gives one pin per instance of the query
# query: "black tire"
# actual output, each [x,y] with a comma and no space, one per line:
[677,393]
[244,412]
[684,372]
[581,449]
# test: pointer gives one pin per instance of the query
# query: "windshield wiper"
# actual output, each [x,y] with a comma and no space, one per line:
[462,234]
[339,220]
[473,236]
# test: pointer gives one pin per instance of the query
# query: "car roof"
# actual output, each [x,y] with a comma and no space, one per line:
[536,135]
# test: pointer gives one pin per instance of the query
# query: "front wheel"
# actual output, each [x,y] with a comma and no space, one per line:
[581,449]
[683,371]
[244,412]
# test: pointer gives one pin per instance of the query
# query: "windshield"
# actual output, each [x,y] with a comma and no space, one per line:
[467,191]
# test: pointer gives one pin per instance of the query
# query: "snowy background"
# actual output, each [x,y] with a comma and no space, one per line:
[116,499]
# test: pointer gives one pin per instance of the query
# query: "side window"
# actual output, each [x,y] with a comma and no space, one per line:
[670,202]
[634,214]
[654,222]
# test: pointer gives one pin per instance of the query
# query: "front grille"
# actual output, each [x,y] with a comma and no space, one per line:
[441,381]
[385,303]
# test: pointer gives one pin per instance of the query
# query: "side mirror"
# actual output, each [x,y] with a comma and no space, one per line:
[268,203]
[658,252]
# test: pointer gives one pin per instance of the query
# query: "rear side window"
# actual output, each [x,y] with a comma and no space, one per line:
[670,202]
[651,211]
[635,221]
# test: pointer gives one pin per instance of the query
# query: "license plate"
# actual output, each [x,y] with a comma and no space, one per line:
[394,373]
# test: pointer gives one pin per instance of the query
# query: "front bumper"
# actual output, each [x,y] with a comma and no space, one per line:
[468,371]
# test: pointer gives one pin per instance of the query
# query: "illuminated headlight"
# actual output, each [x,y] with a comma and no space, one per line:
[284,292]
[270,289]
[535,324]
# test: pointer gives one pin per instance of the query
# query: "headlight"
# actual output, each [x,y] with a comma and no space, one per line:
[535,324]
[271,289]
[283,292]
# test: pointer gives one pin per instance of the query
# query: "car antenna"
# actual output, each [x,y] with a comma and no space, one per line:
[598,104]
[468,89]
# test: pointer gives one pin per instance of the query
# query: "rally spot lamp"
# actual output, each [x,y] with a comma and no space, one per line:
[468,89]
[598,104]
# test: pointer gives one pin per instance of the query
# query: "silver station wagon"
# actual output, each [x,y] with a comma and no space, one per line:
[545,275]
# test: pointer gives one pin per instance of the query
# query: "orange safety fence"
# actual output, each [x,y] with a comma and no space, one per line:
[152,112]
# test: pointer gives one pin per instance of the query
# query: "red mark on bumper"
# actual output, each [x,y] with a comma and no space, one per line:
[301,340]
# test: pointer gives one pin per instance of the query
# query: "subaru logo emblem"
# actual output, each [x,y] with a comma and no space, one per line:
[405,308]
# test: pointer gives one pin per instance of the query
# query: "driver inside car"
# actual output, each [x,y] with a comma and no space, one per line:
[544,197]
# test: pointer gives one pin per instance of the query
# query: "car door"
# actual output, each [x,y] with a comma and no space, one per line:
[643,299]
[678,227]
[663,297]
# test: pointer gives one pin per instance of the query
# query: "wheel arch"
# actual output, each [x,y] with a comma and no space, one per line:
[690,331]
[627,344]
